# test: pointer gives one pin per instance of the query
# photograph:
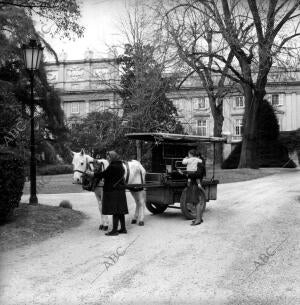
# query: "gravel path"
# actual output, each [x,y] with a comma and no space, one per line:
[245,252]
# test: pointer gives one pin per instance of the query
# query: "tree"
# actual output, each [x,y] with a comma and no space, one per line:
[63,14]
[143,84]
[16,26]
[270,151]
[10,112]
[258,34]
[143,92]
[196,40]
[100,132]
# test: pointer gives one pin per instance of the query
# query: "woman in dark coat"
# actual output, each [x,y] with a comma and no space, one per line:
[114,198]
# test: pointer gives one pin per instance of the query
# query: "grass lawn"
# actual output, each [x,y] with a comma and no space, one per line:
[58,184]
[36,223]
[243,174]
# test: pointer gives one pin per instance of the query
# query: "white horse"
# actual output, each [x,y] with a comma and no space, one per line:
[134,174]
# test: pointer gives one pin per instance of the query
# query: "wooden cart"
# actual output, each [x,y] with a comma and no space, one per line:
[164,185]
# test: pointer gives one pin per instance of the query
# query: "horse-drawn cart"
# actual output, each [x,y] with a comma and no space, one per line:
[164,185]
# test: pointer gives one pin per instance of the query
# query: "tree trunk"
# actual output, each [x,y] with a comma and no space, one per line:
[249,152]
[217,113]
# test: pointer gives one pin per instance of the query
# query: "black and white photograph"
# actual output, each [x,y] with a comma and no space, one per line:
[149,152]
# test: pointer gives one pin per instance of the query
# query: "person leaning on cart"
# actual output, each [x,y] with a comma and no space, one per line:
[194,173]
[114,198]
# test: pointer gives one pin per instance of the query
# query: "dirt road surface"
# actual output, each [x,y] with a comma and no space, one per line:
[245,252]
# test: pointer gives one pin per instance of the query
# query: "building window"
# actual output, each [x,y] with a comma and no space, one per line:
[238,127]
[279,119]
[74,125]
[199,103]
[202,127]
[275,100]
[239,102]
[75,107]
[99,105]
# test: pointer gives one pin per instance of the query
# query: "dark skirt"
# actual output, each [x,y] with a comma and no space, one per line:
[114,203]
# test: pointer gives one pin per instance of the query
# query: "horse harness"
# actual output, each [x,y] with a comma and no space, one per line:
[130,188]
[88,167]
[89,183]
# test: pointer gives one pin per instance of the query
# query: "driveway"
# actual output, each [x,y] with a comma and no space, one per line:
[245,252]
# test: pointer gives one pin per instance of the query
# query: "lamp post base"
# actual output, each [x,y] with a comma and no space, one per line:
[33,200]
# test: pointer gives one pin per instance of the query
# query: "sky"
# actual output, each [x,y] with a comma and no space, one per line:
[102,20]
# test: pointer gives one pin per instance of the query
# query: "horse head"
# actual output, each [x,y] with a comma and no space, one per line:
[81,162]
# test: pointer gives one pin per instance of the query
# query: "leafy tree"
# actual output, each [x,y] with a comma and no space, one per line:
[63,13]
[100,132]
[143,92]
[10,112]
[16,27]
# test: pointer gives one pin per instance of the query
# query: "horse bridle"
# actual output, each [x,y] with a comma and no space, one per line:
[88,167]
[82,172]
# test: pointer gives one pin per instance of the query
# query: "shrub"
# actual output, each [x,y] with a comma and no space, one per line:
[65,152]
[49,151]
[10,111]
[66,204]
[274,154]
[12,181]
[52,169]
[267,122]
[291,140]
[271,152]
[233,159]
[55,169]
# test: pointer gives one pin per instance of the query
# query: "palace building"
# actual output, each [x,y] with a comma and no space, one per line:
[90,85]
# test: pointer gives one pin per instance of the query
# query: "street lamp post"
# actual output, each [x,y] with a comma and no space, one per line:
[32,53]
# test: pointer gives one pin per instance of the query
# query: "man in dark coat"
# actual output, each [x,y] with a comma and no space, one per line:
[114,198]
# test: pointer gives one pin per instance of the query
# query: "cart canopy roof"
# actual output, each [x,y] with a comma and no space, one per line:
[171,137]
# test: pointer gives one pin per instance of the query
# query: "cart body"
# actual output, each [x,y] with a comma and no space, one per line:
[164,185]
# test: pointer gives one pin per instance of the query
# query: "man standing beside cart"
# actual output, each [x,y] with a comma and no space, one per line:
[195,171]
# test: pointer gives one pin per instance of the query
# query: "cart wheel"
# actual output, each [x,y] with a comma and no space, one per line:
[156,208]
[189,209]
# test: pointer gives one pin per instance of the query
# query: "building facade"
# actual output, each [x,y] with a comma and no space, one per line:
[283,93]
[84,86]
[90,85]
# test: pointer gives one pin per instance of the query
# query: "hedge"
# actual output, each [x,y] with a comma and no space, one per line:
[271,152]
[12,181]
[55,169]
[291,140]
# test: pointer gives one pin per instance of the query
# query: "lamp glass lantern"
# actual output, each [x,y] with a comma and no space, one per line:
[32,53]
